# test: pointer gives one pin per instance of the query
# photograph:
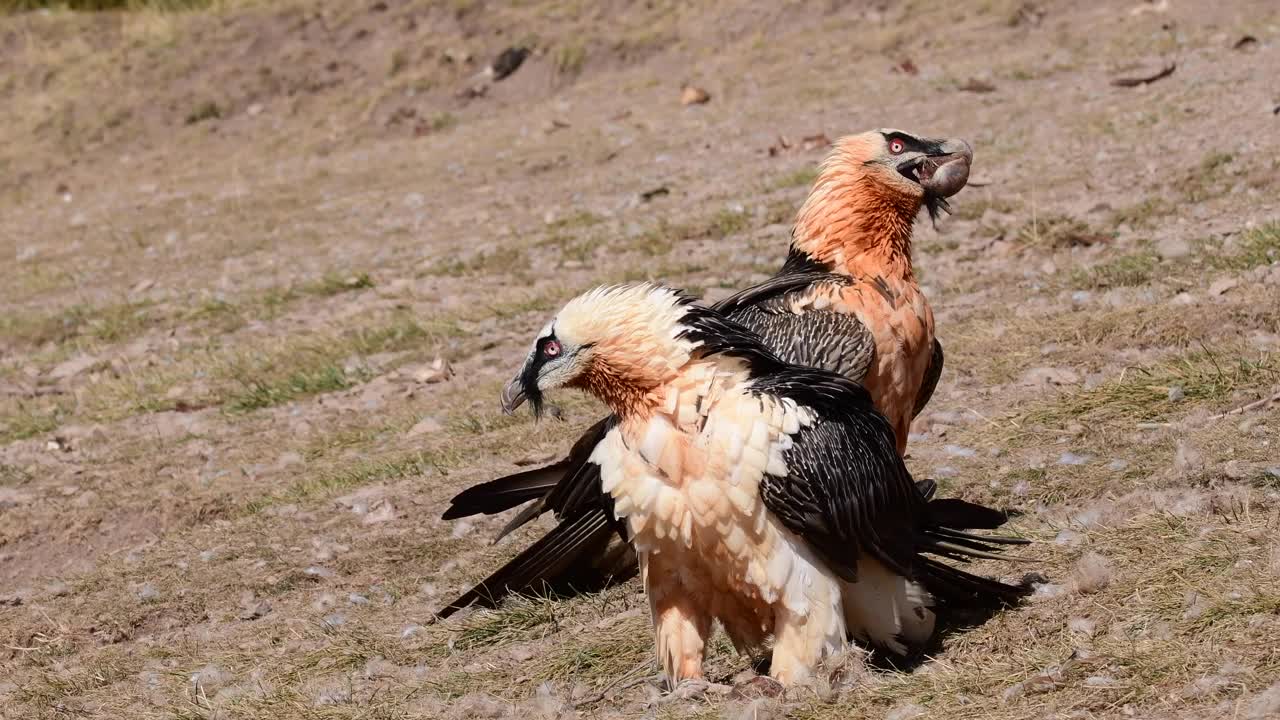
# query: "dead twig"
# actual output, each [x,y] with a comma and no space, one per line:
[1250,406]
[1164,72]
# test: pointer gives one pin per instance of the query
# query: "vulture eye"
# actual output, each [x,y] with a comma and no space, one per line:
[896,146]
[551,349]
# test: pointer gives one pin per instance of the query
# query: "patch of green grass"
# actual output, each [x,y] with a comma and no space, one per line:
[1058,231]
[13,475]
[501,261]
[602,656]
[441,121]
[1125,271]
[365,472]
[259,393]
[1140,215]
[517,619]
[579,219]
[334,284]
[728,222]
[1256,247]
[1142,394]
[302,371]
[28,422]
[801,177]
[399,61]
[569,59]
[107,323]
[207,110]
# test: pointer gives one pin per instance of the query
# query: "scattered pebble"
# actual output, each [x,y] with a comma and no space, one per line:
[1117,465]
[1172,247]
[959,451]
[357,599]
[691,95]
[335,619]
[425,426]
[148,592]
[317,571]
[1222,286]
[1177,394]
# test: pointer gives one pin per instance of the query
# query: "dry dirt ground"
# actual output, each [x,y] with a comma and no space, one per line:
[236,241]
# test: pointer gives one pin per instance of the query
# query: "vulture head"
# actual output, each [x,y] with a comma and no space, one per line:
[619,343]
[872,186]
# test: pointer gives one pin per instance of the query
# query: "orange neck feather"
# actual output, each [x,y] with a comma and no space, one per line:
[630,391]
[856,224]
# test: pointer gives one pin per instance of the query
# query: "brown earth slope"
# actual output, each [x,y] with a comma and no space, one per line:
[237,240]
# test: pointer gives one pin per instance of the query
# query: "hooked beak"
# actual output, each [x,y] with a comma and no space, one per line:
[513,395]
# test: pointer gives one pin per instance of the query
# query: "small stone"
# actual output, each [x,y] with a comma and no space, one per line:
[335,619]
[1222,285]
[959,451]
[254,110]
[1117,465]
[1171,247]
[1177,394]
[357,599]
[317,571]
[691,95]
[73,367]
[425,426]
[438,371]
[148,592]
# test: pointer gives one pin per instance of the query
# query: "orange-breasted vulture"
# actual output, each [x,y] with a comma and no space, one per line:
[845,300]
[761,494]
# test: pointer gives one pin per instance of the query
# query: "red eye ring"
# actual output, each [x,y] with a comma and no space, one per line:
[551,349]
[896,146]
